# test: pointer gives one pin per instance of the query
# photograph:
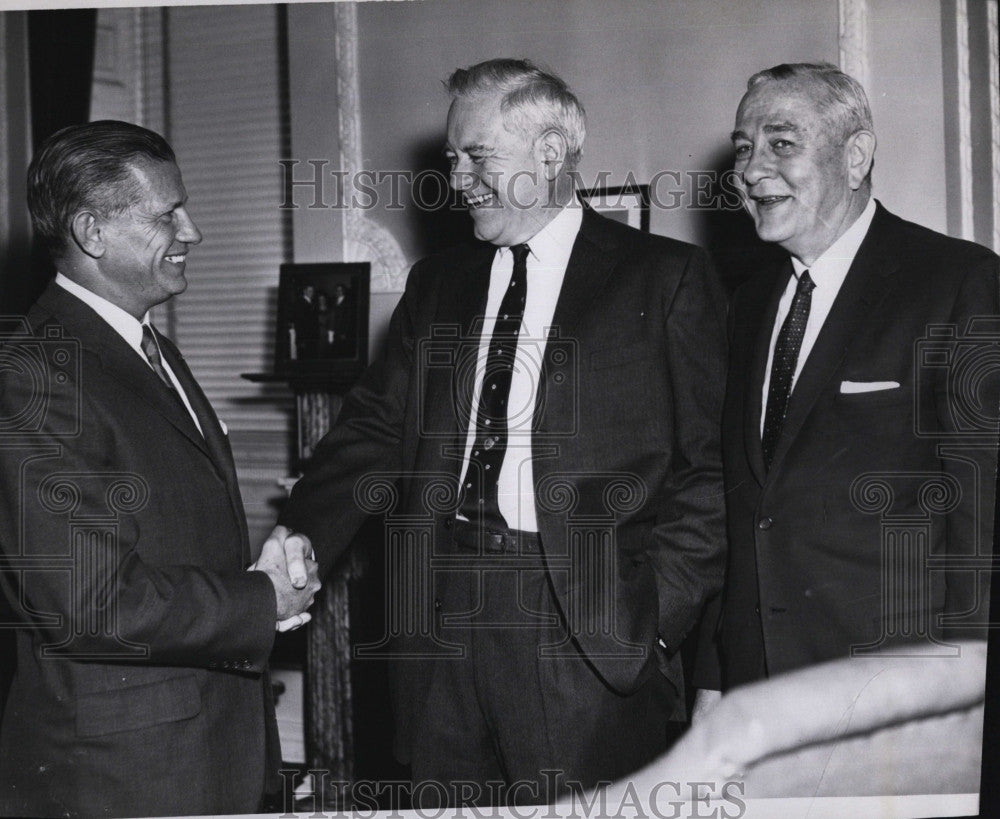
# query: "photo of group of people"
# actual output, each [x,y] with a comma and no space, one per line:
[322,311]
[322,324]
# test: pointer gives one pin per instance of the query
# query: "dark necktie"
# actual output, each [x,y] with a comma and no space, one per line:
[786,356]
[152,351]
[490,444]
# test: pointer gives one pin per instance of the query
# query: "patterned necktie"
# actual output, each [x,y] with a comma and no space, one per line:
[490,444]
[152,351]
[786,356]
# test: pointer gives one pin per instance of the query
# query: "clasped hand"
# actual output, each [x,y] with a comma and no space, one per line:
[288,559]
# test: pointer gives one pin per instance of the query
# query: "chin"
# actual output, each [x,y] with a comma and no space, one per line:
[770,231]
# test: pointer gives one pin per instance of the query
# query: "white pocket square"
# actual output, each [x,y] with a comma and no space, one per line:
[848,387]
[225,429]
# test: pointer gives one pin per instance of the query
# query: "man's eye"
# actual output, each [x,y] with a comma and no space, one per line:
[781,144]
[477,159]
[742,151]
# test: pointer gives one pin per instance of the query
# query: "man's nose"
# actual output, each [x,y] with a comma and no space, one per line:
[188,233]
[461,178]
[757,167]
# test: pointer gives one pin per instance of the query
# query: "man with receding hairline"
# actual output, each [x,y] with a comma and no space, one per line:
[555,388]
[829,393]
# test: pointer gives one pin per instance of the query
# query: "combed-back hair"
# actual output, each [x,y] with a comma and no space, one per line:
[88,167]
[533,101]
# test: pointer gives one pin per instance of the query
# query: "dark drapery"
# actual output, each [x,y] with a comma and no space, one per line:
[61,69]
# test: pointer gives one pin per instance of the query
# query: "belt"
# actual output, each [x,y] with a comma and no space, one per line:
[474,538]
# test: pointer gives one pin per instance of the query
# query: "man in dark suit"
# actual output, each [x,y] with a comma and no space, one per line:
[545,414]
[141,684]
[859,427]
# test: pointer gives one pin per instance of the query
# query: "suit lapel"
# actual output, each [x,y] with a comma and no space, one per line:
[755,334]
[591,262]
[212,434]
[864,288]
[457,325]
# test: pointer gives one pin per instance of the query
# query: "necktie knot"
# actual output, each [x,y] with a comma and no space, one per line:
[806,284]
[520,254]
[151,349]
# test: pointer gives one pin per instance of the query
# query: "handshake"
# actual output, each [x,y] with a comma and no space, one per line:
[288,559]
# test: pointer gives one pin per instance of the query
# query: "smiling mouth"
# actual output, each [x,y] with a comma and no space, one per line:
[766,202]
[474,202]
[177,258]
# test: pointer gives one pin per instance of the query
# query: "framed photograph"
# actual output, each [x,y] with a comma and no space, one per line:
[628,204]
[323,319]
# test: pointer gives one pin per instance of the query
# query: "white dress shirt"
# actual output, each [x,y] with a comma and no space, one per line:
[546,263]
[828,273]
[126,326]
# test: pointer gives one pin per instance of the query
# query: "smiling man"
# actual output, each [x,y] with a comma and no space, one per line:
[862,396]
[141,685]
[548,402]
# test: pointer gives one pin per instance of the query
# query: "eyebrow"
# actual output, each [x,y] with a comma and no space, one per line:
[476,148]
[774,128]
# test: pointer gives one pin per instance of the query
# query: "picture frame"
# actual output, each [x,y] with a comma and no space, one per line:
[628,204]
[322,325]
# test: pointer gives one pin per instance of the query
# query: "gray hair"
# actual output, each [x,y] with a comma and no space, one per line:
[533,101]
[838,95]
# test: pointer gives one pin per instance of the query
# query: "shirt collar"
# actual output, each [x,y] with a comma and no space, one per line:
[552,244]
[837,258]
[123,323]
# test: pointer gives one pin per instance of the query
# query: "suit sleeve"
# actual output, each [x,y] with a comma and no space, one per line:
[689,542]
[367,436]
[967,395]
[72,521]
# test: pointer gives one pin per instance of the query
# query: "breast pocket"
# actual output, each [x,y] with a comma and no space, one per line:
[895,396]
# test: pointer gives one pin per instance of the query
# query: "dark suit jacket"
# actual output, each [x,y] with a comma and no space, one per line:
[625,432]
[809,538]
[140,685]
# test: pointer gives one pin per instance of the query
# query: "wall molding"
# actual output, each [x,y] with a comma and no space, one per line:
[364,240]
[855,40]
[994,48]
[966,202]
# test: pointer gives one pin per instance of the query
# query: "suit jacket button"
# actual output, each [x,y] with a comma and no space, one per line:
[437,604]
[764,523]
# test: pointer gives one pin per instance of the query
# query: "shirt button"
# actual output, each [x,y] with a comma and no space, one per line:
[764,523]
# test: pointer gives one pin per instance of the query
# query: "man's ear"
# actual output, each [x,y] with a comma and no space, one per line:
[860,155]
[87,234]
[552,147]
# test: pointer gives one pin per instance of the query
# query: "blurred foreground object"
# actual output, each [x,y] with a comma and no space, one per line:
[888,725]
